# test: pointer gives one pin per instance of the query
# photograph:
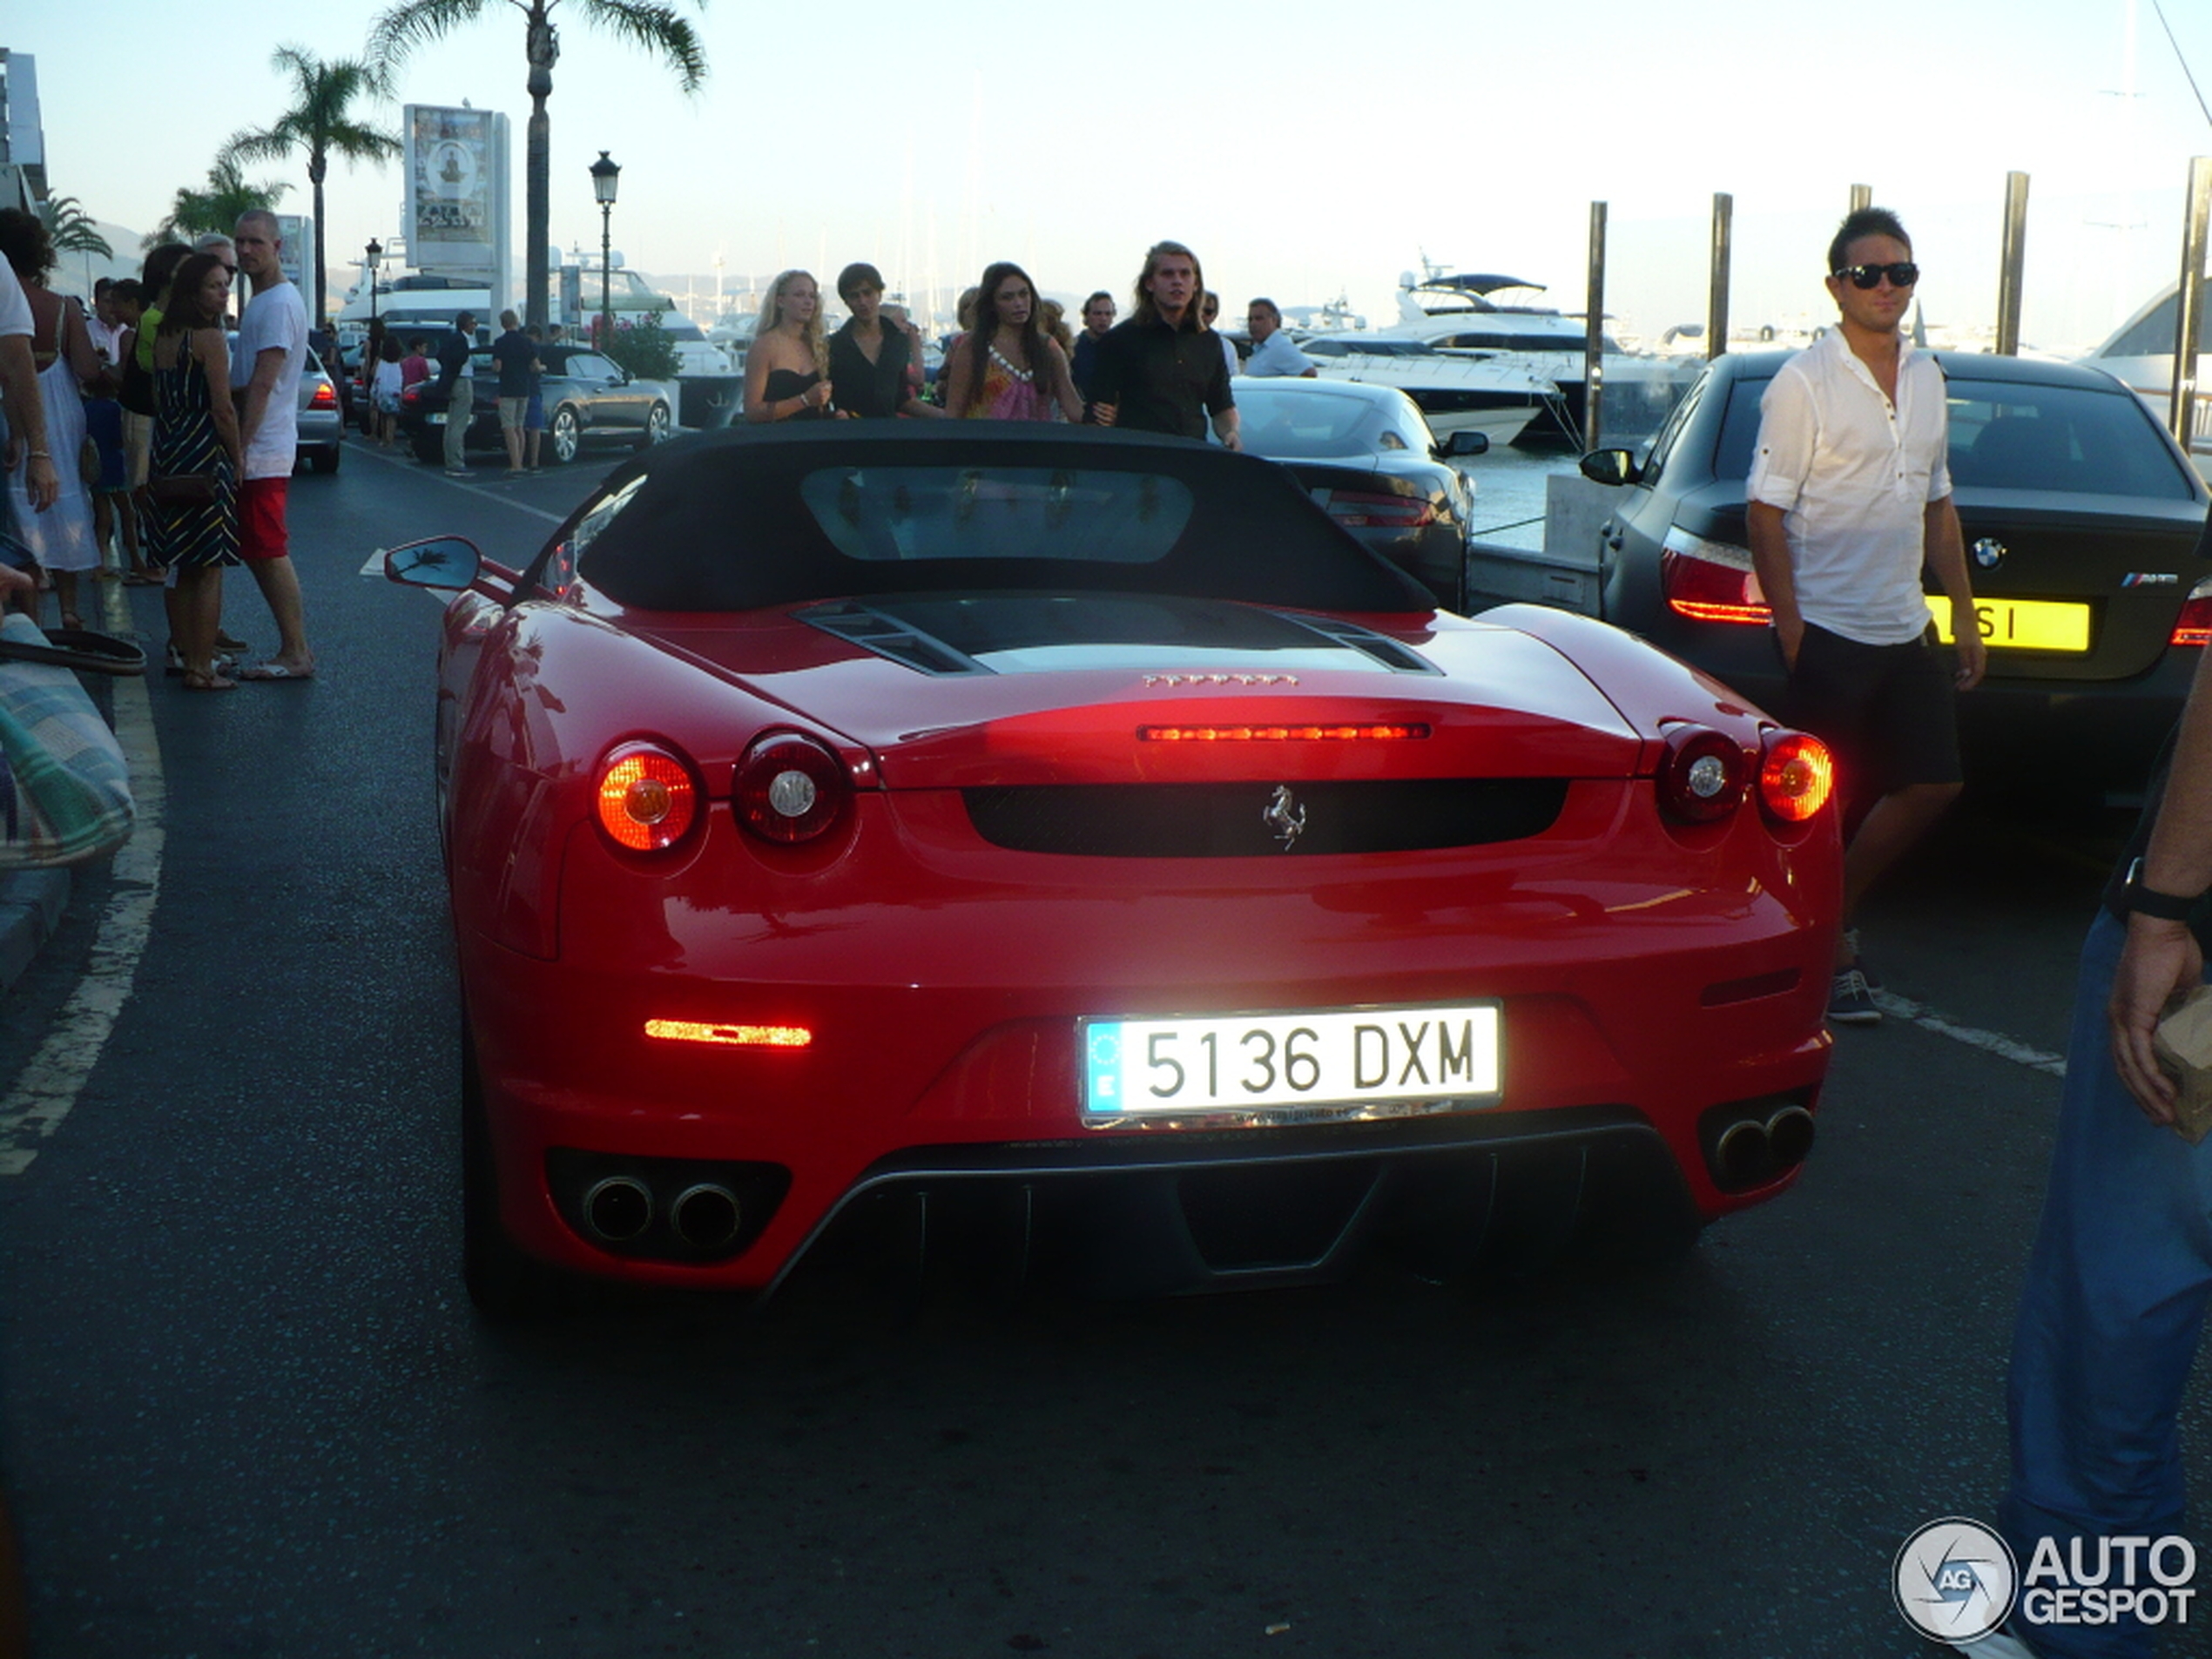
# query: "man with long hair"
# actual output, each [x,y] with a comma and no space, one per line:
[1163,371]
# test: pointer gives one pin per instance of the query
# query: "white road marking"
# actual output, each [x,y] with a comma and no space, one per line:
[49,1084]
[1928,1019]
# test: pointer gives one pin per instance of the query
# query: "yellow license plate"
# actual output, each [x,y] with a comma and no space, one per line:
[2020,624]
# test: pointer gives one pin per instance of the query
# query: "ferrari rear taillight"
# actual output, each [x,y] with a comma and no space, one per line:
[2194,625]
[1704,774]
[1710,580]
[648,797]
[1797,776]
[790,789]
[1360,509]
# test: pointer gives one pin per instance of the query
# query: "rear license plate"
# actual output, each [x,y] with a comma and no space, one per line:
[2020,624]
[1288,1068]
[439,419]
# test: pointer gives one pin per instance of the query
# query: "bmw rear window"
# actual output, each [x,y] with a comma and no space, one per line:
[2016,434]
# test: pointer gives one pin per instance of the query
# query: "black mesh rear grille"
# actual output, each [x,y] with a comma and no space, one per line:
[1247,820]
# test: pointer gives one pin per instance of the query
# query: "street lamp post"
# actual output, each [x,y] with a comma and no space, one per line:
[375,252]
[605,175]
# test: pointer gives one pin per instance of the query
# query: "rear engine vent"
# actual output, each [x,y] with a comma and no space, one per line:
[1255,820]
[1379,647]
[887,636]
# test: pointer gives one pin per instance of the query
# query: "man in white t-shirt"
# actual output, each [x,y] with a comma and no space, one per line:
[1850,497]
[1273,355]
[21,400]
[265,379]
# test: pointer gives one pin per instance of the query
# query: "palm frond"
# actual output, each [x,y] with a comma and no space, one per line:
[659,28]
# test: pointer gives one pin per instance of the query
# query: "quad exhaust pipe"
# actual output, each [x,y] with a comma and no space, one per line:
[1753,1150]
[620,1209]
[705,1216]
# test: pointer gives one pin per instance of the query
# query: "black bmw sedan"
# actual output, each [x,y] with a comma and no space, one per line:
[2080,516]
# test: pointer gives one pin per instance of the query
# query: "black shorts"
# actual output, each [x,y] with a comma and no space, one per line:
[1890,712]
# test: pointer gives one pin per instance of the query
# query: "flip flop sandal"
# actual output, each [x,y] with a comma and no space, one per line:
[275,671]
[196,681]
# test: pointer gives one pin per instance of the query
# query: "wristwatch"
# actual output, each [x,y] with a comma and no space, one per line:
[2167,907]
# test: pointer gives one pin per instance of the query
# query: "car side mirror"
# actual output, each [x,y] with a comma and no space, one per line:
[1611,467]
[1464,442]
[441,562]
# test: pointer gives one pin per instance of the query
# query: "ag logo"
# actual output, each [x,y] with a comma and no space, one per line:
[1953,1581]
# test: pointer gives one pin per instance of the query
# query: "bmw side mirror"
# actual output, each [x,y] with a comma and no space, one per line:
[1612,466]
[1462,443]
[441,562]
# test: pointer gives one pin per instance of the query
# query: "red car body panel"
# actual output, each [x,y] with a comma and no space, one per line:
[1643,964]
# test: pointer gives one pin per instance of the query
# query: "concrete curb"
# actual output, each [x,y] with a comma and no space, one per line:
[31,903]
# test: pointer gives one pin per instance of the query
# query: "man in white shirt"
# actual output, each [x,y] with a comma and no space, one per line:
[1850,497]
[1273,356]
[264,379]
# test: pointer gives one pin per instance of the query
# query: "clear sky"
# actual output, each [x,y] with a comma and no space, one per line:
[1303,148]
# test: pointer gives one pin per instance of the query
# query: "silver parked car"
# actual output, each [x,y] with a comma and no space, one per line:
[322,417]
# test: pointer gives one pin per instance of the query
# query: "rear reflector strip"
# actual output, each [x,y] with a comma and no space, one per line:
[1278,733]
[735,1036]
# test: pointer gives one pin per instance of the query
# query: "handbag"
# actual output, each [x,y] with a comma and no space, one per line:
[182,490]
[64,788]
[89,469]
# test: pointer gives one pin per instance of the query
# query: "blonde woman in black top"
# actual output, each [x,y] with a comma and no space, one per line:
[786,371]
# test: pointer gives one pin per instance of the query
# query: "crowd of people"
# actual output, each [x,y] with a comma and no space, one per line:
[146,450]
[1166,370]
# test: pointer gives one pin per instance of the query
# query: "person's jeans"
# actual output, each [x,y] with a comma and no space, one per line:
[457,414]
[2108,1324]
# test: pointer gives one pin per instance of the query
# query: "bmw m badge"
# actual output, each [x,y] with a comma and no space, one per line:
[2150,579]
[1989,552]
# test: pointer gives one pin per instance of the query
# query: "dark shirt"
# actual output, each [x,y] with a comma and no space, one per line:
[513,352]
[453,357]
[858,386]
[1161,379]
[1084,363]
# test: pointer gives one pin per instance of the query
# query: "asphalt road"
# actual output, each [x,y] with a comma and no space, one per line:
[245,1408]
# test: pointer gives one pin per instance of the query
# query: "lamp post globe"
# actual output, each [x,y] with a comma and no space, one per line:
[606,176]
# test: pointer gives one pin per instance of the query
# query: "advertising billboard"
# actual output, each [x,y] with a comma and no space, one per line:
[296,254]
[458,203]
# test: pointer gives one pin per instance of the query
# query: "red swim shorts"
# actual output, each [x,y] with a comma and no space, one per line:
[260,518]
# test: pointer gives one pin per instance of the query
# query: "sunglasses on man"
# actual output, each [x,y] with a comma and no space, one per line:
[1902,274]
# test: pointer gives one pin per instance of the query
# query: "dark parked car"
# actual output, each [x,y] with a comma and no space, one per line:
[588,398]
[1366,454]
[2080,516]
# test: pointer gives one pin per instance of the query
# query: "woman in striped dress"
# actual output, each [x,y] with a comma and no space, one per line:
[195,436]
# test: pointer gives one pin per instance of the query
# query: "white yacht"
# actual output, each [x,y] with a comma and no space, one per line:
[2140,355]
[1457,392]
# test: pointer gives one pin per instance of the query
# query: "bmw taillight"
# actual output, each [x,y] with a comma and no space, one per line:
[1797,776]
[1704,774]
[1364,509]
[1710,581]
[2194,625]
[648,797]
[325,396]
[790,789]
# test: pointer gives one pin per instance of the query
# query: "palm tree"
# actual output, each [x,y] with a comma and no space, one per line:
[318,122]
[217,205]
[70,229]
[652,24]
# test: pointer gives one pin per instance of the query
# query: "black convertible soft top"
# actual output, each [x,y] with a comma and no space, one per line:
[745,518]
